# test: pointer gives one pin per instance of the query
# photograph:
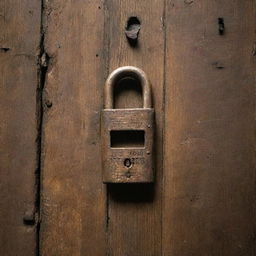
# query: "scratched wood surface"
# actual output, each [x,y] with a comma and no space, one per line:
[73,196]
[209,160]
[19,49]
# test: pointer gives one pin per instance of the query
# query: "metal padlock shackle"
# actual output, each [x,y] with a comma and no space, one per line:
[122,72]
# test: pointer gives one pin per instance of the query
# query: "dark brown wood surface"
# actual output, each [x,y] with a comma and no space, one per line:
[73,196]
[209,159]
[19,50]
[200,58]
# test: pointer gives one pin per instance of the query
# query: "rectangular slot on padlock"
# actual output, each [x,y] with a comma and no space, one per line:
[127,139]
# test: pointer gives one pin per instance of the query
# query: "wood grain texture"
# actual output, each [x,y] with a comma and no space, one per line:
[19,48]
[73,196]
[134,214]
[209,161]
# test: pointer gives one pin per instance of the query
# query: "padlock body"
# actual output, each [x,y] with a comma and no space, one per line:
[127,145]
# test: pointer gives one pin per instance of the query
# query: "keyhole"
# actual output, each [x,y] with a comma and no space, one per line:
[127,163]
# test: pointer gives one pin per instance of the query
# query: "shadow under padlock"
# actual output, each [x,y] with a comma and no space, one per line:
[127,134]
[131,193]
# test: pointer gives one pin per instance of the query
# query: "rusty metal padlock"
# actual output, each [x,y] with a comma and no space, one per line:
[127,134]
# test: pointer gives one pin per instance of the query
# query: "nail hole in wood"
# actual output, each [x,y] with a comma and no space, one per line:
[221,26]
[5,49]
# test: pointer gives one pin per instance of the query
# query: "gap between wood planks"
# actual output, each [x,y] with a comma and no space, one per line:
[42,62]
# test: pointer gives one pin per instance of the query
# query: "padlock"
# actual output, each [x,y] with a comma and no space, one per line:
[127,135]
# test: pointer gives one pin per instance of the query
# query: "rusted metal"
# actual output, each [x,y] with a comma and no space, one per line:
[126,162]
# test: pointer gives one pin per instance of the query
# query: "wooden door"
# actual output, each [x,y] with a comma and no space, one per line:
[200,58]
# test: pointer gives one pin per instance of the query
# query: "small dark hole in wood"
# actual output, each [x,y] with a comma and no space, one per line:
[5,49]
[29,219]
[48,104]
[221,26]
[28,222]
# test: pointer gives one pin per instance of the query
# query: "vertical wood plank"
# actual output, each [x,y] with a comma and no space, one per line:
[209,165]
[134,211]
[19,49]
[73,196]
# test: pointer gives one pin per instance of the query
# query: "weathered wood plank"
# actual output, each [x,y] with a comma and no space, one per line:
[134,214]
[19,48]
[73,196]
[209,161]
